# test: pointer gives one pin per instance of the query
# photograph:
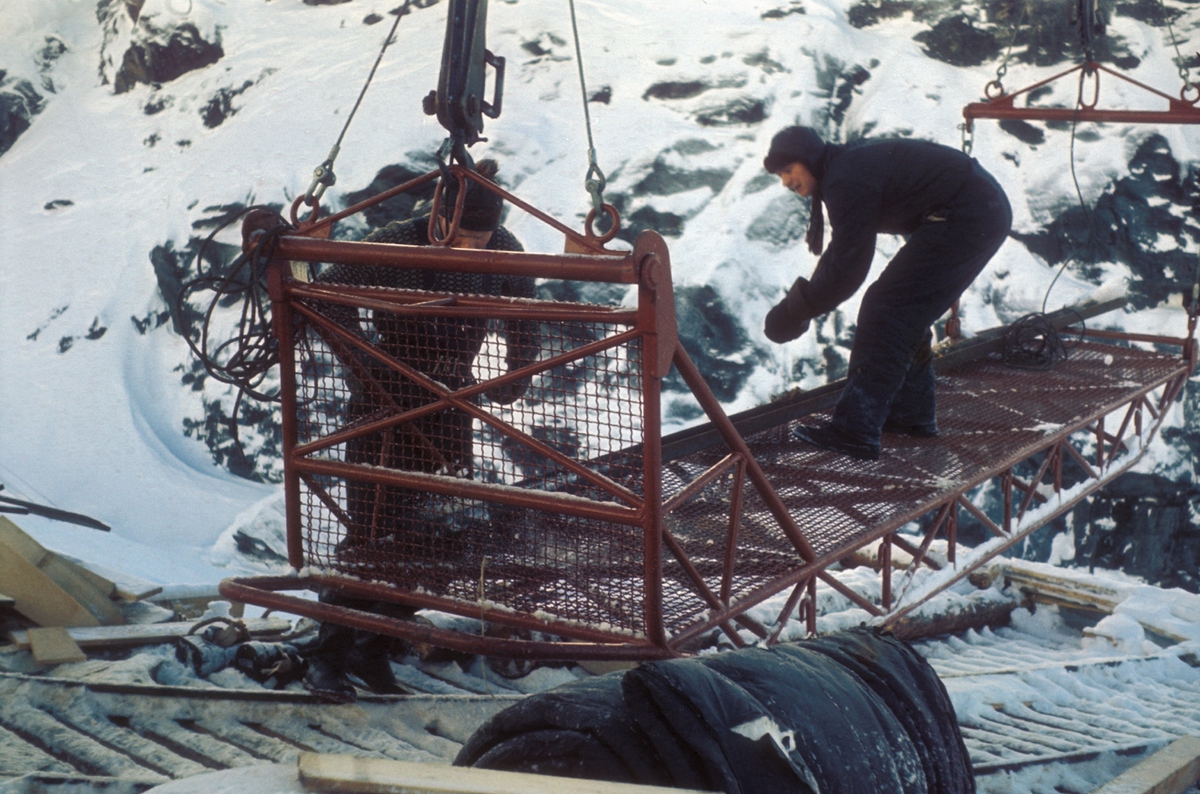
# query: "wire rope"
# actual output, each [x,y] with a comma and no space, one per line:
[595,180]
[246,357]
[323,175]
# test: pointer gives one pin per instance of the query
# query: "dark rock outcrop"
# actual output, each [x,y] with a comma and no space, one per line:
[159,56]
[19,103]
[959,43]
[1144,221]
[714,339]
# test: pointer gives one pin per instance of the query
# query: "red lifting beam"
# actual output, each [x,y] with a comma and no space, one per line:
[1000,105]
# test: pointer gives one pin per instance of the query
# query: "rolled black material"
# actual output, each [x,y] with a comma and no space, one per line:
[856,712]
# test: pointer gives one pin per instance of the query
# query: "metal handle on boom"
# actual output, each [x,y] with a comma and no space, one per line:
[459,101]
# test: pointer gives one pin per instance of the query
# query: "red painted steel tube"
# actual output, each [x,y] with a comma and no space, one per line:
[697,485]
[652,515]
[1002,107]
[702,587]
[735,522]
[318,226]
[846,591]
[716,414]
[918,554]
[376,591]
[572,267]
[1034,482]
[811,616]
[418,304]
[986,110]
[245,591]
[460,399]
[281,319]
[1118,440]
[329,220]
[983,518]
[475,489]
[1082,461]
[789,607]
[885,570]
[1101,333]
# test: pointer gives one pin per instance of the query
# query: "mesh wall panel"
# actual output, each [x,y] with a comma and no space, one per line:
[405,387]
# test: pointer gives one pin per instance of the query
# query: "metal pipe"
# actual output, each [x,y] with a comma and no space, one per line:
[475,489]
[572,267]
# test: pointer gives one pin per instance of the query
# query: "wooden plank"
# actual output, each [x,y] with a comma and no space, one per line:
[80,584]
[37,597]
[1066,588]
[1045,584]
[338,773]
[1172,770]
[148,634]
[125,587]
[54,646]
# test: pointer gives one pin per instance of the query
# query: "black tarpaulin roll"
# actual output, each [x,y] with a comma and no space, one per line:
[915,695]
[581,730]
[858,712]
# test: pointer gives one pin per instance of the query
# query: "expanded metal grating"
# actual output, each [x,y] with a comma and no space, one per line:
[990,417]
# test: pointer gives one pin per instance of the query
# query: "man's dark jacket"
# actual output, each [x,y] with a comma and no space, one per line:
[873,187]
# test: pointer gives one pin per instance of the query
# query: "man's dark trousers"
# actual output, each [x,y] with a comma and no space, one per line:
[891,370]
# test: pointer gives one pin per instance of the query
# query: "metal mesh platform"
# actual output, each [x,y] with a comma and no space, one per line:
[991,418]
[502,459]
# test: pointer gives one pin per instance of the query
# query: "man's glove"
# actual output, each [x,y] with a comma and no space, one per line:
[789,318]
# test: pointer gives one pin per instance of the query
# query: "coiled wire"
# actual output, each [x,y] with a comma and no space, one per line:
[246,358]
[1033,342]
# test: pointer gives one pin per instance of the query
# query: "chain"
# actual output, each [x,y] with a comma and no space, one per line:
[1002,69]
[594,181]
[1180,64]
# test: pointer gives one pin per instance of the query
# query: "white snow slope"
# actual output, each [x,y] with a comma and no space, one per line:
[93,408]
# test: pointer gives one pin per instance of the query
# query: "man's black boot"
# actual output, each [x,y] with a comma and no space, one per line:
[914,430]
[829,437]
[370,661]
[326,678]
[326,674]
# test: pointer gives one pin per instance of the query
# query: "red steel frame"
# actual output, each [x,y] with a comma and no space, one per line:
[686,589]
[1000,105]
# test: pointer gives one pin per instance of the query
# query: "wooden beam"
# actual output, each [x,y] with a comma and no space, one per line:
[1041,582]
[1172,770]
[91,591]
[148,633]
[124,586]
[36,596]
[350,773]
